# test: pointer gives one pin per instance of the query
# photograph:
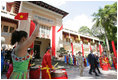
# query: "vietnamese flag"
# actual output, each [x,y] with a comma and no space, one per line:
[21,16]
[60,28]
[32,27]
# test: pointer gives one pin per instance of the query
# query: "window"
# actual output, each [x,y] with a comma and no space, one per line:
[44,31]
[5,29]
[11,29]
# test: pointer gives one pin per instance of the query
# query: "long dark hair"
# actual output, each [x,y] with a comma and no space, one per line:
[17,35]
[48,48]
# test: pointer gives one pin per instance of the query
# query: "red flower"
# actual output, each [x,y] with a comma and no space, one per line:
[23,58]
[16,59]
[28,56]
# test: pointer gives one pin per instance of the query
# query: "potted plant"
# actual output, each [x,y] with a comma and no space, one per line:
[62,51]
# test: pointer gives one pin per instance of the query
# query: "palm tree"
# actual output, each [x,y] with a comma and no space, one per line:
[105,19]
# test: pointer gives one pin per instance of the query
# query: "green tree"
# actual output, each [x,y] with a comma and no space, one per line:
[62,51]
[105,22]
[85,30]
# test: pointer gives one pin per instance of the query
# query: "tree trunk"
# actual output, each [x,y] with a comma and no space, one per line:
[107,42]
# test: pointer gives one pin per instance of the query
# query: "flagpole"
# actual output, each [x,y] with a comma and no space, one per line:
[20,9]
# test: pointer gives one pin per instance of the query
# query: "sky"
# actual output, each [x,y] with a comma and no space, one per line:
[80,12]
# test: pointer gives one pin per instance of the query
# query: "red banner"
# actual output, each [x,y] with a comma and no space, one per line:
[32,27]
[72,48]
[60,28]
[53,40]
[82,50]
[114,50]
[100,50]
[90,48]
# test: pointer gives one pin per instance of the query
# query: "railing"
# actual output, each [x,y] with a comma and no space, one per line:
[67,43]
[6,33]
[6,12]
[85,45]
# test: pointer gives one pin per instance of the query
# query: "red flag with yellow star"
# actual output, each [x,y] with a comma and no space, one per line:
[21,16]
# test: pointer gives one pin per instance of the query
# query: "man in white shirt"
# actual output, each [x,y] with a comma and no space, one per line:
[81,63]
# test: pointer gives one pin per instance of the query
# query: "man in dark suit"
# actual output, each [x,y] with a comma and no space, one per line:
[96,63]
[91,60]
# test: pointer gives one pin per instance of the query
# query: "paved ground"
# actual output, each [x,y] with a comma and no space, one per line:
[73,72]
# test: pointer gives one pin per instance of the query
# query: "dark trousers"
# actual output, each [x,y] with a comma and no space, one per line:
[92,68]
[96,67]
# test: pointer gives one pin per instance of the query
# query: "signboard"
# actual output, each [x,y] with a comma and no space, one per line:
[44,19]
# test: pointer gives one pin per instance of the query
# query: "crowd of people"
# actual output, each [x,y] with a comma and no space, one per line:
[81,61]
[5,59]
[93,60]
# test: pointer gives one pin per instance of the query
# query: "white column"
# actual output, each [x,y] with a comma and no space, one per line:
[99,44]
[89,46]
[44,28]
[39,31]
[93,41]
[51,37]
[95,48]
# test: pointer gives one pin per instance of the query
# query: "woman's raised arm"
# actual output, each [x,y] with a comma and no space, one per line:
[31,39]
